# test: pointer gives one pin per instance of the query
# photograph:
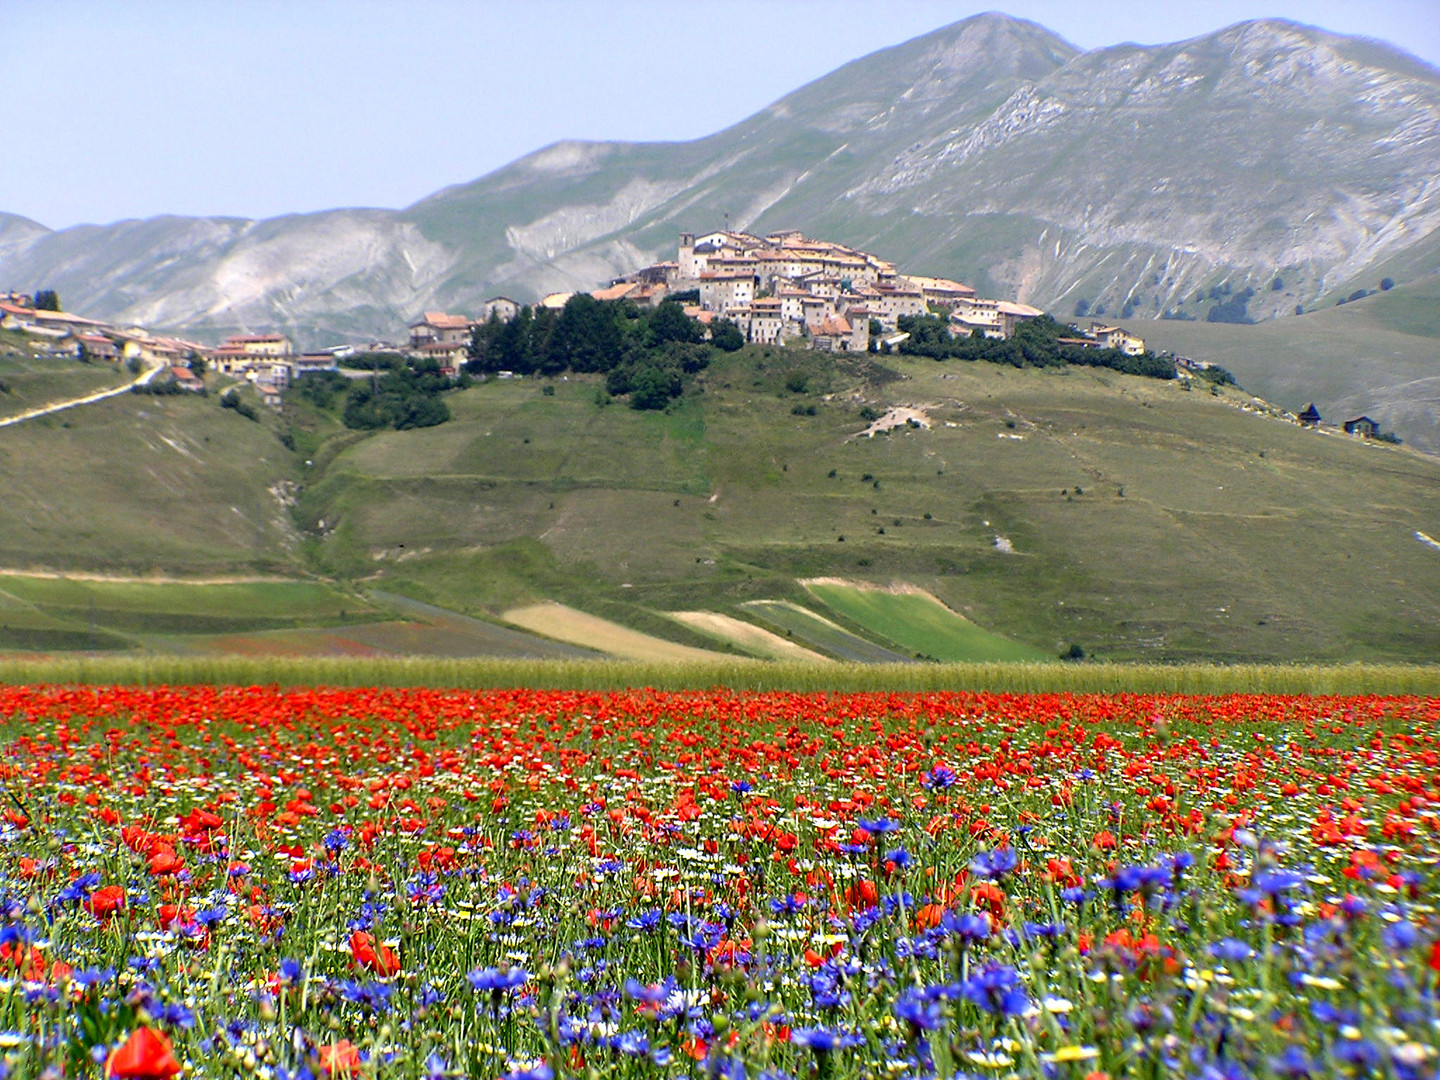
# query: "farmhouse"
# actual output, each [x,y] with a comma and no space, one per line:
[437,326]
[1114,337]
[1309,416]
[186,379]
[1363,426]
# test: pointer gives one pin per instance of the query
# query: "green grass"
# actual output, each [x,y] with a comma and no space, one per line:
[920,623]
[29,382]
[1051,677]
[166,608]
[134,484]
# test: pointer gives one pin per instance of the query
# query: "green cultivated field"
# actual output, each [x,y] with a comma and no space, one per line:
[919,622]
[1138,519]
[820,632]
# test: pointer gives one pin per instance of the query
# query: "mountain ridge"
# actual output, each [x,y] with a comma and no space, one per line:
[991,150]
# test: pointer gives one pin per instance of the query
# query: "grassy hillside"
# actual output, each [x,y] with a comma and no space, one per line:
[1379,356]
[170,485]
[28,381]
[1130,516]
[1133,517]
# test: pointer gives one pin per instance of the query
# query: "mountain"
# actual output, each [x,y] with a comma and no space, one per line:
[1132,178]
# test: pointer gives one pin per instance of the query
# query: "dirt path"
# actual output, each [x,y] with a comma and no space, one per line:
[150,579]
[46,410]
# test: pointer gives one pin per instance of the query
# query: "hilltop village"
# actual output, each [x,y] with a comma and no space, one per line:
[782,289]
[788,289]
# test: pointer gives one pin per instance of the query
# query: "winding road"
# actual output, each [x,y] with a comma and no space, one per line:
[45,410]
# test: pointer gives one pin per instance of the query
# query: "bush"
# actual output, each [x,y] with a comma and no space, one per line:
[320,388]
[231,400]
[1386,284]
[403,399]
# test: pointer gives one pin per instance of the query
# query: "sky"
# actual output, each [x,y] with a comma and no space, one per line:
[256,108]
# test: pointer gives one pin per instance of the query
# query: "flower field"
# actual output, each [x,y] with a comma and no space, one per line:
[238,882]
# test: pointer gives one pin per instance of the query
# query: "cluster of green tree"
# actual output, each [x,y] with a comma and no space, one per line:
[1217,375]
[1386,284]
[1035,343]
[1233,308]
[165,388]
[646,354]
[231,400]
[408,396]
[47,300]
[321,388]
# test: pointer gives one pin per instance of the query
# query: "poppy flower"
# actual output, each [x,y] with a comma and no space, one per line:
[339,1059]
[381,960]
[105,902]
[145,1055]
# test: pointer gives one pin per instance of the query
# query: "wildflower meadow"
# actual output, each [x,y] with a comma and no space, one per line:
[250,882]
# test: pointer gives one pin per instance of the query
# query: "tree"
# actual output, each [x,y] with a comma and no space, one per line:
[1386,284]
[725,335]
[483,355]
[47,300]
[585,338]
[652,387]
[670,323]
[512,345]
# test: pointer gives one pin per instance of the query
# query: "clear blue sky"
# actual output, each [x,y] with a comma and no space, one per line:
[130,108]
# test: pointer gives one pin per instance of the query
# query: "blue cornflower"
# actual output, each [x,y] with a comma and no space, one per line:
[994,865]
[880,826]
[1231,949]
[939,778]
[632,1043]
[498,981]
[899,857]
[1401,936]
[823,1040]
[644,920]
[919,1012]
[967,928]
[1294,1064]
[997,989]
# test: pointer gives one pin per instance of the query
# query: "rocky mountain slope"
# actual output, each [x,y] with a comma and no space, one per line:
[1132,178]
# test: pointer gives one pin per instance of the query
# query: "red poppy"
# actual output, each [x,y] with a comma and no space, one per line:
[381,960]
[339,1059]
[106,901]
[145,1055]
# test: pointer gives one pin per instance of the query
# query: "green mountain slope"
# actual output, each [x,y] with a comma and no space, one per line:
[1379,357]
